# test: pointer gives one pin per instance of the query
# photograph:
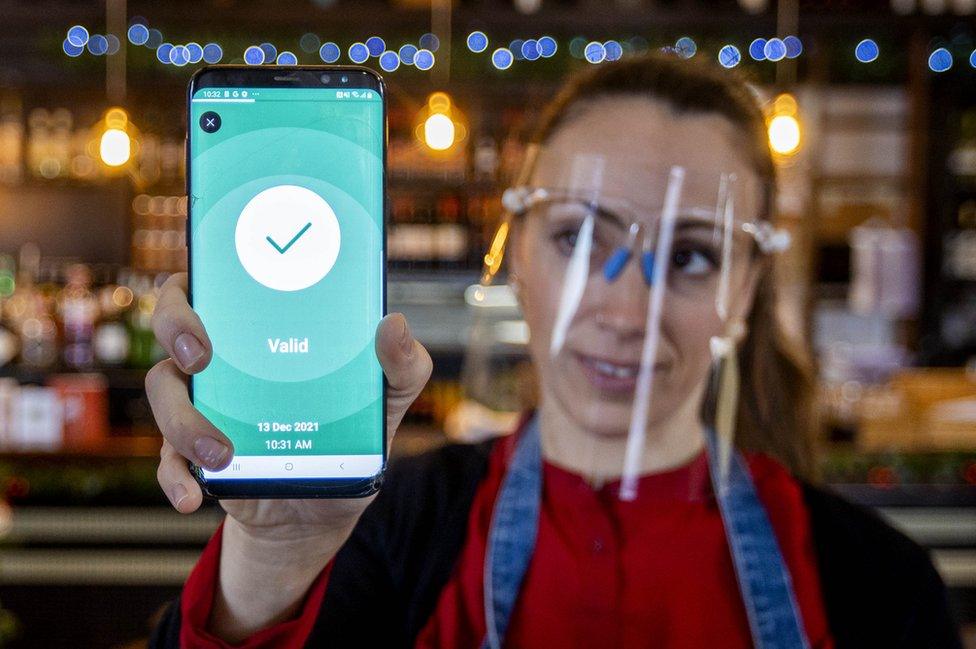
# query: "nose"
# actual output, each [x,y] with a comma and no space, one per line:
[622,307]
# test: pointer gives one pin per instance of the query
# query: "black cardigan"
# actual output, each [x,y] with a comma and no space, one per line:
[880,588]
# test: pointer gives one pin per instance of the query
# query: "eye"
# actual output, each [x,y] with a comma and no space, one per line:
[565,240]
[693,262]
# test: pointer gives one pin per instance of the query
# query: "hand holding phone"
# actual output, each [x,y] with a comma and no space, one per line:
[307,533]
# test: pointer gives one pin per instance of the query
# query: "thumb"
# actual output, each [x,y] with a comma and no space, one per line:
[406,364]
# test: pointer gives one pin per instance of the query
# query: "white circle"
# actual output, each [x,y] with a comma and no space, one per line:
[287,238]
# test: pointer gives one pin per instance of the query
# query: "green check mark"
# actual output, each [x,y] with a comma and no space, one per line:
[284,249]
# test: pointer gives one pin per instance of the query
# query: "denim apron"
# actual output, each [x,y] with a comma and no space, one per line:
[764,581]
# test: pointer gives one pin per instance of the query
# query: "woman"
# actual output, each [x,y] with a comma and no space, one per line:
[578,566]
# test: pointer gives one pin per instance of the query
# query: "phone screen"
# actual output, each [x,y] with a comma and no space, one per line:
[286,271]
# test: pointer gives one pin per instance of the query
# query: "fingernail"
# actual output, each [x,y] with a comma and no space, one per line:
[188,350]
[406,339]
[178,495]
[210,452]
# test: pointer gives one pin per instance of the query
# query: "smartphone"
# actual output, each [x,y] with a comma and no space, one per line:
[286,240]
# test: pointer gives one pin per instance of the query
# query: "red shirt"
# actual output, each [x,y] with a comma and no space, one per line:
[655,572]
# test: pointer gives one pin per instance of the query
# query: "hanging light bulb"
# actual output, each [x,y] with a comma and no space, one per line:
[115,147]
[784,127]
[115,143]
[440,125]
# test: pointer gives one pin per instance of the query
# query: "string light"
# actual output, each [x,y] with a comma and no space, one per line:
[375,45]
[78,36]
[502,58]
[138,34]
[613,50]
[358,52]
[595,52]
[729,56]
[530,49]
[423,59]
[429,42]
[70,49]
[329,52]
[406,53]
[162,52]
[253,55]
[940,60]
[389,61]
[757,49]
[794,47]
[547,46]
[270,51]
[212,53]
[477,42]
[866,51]
[194,52]
[775,50]
[685,46]
[98,44]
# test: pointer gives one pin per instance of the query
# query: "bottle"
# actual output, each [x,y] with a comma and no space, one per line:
[78,311]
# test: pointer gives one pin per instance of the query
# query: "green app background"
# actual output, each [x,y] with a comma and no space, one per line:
[303,137]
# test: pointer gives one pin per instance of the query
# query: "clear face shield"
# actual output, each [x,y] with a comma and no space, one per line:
[634,283]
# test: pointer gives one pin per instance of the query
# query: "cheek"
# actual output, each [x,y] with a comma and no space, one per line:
[689,327]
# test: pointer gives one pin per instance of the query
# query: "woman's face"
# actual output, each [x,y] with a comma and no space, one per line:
[592,377]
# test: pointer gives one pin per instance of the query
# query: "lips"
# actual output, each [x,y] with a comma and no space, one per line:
[610,375]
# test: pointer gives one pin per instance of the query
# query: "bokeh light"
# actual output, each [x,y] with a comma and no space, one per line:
[429,42]
[375,45]
[270,52]
[794,47]
[254,55]
[530,49]
[389,61]
[594,52]
[729,56]
[613,50]
[162,52]
[78,36]
[71,49]
[686,47]
[940,60]
[406,53]
[138,34]
[212,53]
[866,51]
[309,43]
[358,52]
[757,49]
[194,52]
[115,147]
[477,42]
[98,44]
[775,49]
[287,58]
[547,46]
[423,59]
[329,52]
[502,58]
[439,132]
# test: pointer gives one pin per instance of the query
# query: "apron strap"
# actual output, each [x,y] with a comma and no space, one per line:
[511,539]
[764,579]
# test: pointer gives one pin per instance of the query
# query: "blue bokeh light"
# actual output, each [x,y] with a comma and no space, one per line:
[515,47]
[547,46]
[138,34]
[729,56]
[423,59]
[212,53]
[530,49]
[162,52]
[287,58]
[614,50]
[179,56]
[97,44]
[254,55]
[358,52]
[194,52]
[375,45]
[407,52]
[270,52]
[686,47]
[113,44]
[757,49]
[477,42]
[775,49]
[429,42]
[155,38]
[794,46]
[329,52]
[389,61]
[502,58]
[594,52]
[972,59]
[71,50]
[78,36]
[866,51]
[940,60]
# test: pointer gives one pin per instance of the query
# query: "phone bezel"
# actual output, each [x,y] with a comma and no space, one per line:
[306,76]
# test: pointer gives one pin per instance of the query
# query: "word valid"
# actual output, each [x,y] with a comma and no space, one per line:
[289,346]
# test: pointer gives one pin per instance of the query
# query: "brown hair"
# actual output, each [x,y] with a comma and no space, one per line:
[775,414]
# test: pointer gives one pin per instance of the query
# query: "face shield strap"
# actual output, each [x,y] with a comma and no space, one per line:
[642,397]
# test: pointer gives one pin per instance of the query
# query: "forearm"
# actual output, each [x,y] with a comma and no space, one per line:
[262,582]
